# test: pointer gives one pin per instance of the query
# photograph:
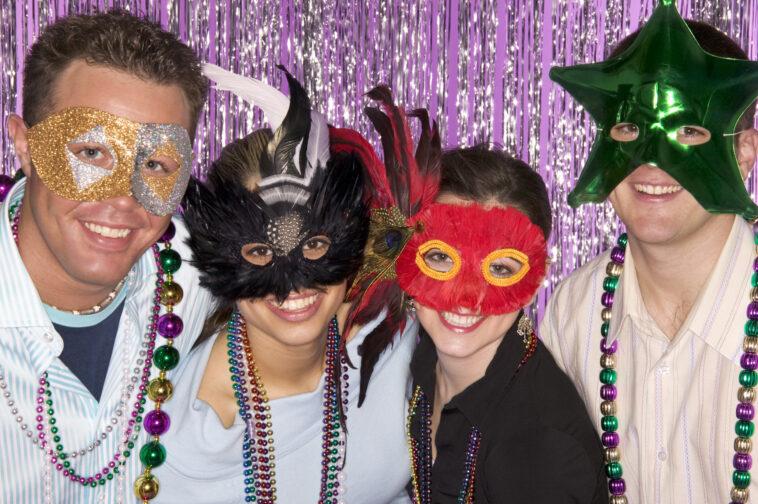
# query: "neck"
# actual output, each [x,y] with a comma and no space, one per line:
[287,369]
[455,374]
[672,275]
[54,285]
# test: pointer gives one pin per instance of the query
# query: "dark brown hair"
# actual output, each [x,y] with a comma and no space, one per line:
[482,174]
[117,40]
[713,41]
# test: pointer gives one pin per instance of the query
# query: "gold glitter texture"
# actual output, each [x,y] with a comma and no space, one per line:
[49,147]
[129,143]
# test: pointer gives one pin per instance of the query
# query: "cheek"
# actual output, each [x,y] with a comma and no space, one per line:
[157,225]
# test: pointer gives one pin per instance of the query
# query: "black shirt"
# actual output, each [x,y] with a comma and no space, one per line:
[538,444]
[87,350]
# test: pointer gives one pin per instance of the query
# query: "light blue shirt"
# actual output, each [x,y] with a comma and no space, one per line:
[29,346]
[208,468]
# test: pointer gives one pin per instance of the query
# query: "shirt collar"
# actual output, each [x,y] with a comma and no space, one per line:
[474,401]
[715,315]
[18,289]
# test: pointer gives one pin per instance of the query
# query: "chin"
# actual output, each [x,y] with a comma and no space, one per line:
[460,343]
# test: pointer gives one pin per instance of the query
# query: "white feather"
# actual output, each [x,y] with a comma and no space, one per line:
[273,102]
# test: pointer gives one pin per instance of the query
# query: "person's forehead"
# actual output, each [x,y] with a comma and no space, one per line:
[120,93]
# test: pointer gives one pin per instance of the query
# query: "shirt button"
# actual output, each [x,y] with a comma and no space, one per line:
[662,455]
[49,336]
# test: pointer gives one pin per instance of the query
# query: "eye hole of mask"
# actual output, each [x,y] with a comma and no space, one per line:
[92,154]
[505,267]
[438,260]
[160,166]
[625,132]
[257,254]
[692,135]
[316,247]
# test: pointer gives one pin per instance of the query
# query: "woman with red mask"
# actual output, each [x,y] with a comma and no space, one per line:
[460,238]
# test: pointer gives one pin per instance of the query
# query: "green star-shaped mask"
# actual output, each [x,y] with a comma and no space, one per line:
[662,83]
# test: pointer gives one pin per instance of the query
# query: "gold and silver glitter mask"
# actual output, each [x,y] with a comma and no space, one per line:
[85,154]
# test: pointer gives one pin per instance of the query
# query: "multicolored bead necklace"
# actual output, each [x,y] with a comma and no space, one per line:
[159,390]
[420,450]
[258,455]
[748,378]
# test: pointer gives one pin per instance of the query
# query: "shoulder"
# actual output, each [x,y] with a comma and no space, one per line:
[575,288]
[570,311]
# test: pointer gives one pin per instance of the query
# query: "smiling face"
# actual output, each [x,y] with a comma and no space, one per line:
[301,318]
[470,271]
[97,242]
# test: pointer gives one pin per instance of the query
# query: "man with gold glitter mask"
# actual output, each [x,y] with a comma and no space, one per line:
[96,306]
[655,332]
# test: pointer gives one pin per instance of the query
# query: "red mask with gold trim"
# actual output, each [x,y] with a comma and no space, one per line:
[488,261]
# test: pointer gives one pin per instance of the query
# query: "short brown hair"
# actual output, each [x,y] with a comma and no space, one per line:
[117,40]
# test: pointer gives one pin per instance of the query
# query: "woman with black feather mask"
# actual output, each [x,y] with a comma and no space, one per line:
[270,413]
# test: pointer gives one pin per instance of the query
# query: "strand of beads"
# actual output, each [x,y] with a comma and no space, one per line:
[420,450]
[57,455]
[259,457]
[413,445]
[608,392]
[159,390]
[258,454]
[748,378]
[331,441]
[466,495]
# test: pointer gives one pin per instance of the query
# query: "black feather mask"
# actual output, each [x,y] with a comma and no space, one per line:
[304,223]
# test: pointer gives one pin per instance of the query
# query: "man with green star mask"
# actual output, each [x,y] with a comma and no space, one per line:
[654,332]
[661,85]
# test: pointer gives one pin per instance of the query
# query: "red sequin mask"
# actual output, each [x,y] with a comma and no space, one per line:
[469,257]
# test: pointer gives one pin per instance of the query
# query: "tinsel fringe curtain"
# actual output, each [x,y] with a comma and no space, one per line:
[480,66]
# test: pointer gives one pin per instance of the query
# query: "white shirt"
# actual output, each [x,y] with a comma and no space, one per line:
[208,468]
[29,346]
[676,399]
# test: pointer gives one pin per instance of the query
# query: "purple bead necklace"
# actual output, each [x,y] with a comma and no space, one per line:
[748,378]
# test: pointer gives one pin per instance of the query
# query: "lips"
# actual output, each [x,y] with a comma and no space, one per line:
[297,307]
[298,304]
[657,189]
[460,322]
[107,231]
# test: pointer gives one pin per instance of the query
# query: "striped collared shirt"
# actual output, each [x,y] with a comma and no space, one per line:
[676,399]
[30,346]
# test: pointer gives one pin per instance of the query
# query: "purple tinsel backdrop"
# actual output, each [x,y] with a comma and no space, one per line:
[480,66]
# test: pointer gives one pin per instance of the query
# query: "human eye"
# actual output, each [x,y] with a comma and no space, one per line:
[92,154]
[692,135]
[258,254]
[160,166]
[625,132]
[505,267]
[438,260]
[316,247]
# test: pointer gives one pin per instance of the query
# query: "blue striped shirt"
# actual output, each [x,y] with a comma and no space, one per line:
[29,346]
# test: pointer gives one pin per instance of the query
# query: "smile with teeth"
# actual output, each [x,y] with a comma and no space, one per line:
[459,320]
[657,190]
[106,231]
[298,304]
